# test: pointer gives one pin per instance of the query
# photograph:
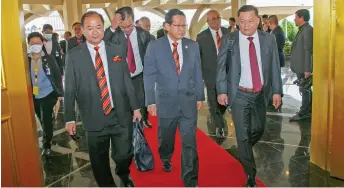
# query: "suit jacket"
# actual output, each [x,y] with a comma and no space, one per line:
[73,42]
[81,84]
[230,27]
[208,53]
[301,54]
[228,82]
[152,37]
[63,45]
[118,37]
[55,52]
[163,87]
[49,62]
[280,39]
[160,33]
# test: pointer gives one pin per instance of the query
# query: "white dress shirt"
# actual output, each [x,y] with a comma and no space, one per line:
[213,33]
[179,49]
[103,56]
[246,76]
[136,50]
[48,46]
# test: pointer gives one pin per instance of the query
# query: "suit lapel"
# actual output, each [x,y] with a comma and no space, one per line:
[236,50]
[168,50]
[263,52]
[211,39]
[140,42]
[185,55]
[88,62]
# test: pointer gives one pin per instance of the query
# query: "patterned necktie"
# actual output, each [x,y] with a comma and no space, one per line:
[176,57]
[218,40]
[101,77]
[256,80]
[130,56]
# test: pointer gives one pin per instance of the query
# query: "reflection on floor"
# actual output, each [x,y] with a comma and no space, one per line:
[282,155]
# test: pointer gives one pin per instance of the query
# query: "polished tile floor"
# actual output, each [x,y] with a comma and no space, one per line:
[282,155]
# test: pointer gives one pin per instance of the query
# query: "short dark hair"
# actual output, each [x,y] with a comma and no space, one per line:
[274,19]
[304,13]
[232,19]
[247,8]
[47,26]
[265,16]
[67,32]
[137,21]
[33,35]
[125,12]
[173,12]
[88,14]
[76,23]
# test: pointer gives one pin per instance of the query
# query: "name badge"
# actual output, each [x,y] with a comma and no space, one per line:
[35,90]
[48,70]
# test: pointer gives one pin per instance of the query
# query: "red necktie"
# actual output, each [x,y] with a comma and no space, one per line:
[256,81]
[218,40]
[176,57]
[101,77]
[130,55]
[78,41]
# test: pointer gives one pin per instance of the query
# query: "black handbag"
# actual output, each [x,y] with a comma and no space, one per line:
[143,155]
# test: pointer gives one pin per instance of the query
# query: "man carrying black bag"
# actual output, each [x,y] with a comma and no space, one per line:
[143,155]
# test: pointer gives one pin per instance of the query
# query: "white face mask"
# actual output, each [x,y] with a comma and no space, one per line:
[48,36]
[36,48]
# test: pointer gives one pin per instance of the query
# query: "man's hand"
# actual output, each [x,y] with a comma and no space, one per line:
[152,109]
[199,104]
[307,74]
[116,20]
[222,99]
[71,128]
[137,115]
[59,98]
[277,99]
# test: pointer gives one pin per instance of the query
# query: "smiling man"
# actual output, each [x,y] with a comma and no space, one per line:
[253,71]
[97,77]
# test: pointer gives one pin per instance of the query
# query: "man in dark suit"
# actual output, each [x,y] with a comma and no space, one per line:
[253,71]
[280,37]
[78,38]
[209,44]
[146,25]
[175,91]
[301,56]
[46,84]
[64,43]
[51,46]
[232,25]
[161,32]
[135,40]
[97,77]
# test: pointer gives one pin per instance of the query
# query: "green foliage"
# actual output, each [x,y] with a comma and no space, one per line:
[289,29]
[287,48]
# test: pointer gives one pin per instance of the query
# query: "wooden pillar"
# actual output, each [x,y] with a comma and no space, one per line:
[328,100]
[20,157]
[72,12]
[236,4]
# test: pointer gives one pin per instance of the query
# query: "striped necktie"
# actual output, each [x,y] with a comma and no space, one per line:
[218,39]
[101,77]
[176,57]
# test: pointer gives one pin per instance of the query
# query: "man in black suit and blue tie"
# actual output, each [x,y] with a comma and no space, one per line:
[97,77]
[175,91]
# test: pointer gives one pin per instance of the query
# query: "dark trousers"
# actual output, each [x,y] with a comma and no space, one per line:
[306,107]
[140,94]
[121,151]
[249,116]
[166,135]
[216,110]
[44,111]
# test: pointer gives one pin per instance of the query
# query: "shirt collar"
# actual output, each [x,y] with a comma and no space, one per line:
[214,31]
[91,46]
[255,35]
[171,41]
[132,33]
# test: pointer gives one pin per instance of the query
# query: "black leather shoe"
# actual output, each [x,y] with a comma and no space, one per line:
[250,182]
[147,124]
[299,117]
[167,167]
[127,183]
[220,133]
[46,152]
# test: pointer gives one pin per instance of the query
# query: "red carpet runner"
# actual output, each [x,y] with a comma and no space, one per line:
[216,166]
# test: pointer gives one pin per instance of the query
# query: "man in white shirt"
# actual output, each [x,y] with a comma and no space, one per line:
[123,31]
[247,71]
[209,44]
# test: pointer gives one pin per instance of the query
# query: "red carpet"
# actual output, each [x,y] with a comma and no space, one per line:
[216,166]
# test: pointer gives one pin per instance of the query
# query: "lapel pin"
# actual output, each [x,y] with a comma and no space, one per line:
[186,47]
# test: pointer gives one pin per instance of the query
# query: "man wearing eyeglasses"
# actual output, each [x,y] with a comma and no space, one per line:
[174,91]
[209,44]
[135,39]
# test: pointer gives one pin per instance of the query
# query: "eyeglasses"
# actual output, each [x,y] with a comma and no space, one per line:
[180,26]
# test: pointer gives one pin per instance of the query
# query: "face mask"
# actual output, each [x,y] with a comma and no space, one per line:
[36,48]
[48,36]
